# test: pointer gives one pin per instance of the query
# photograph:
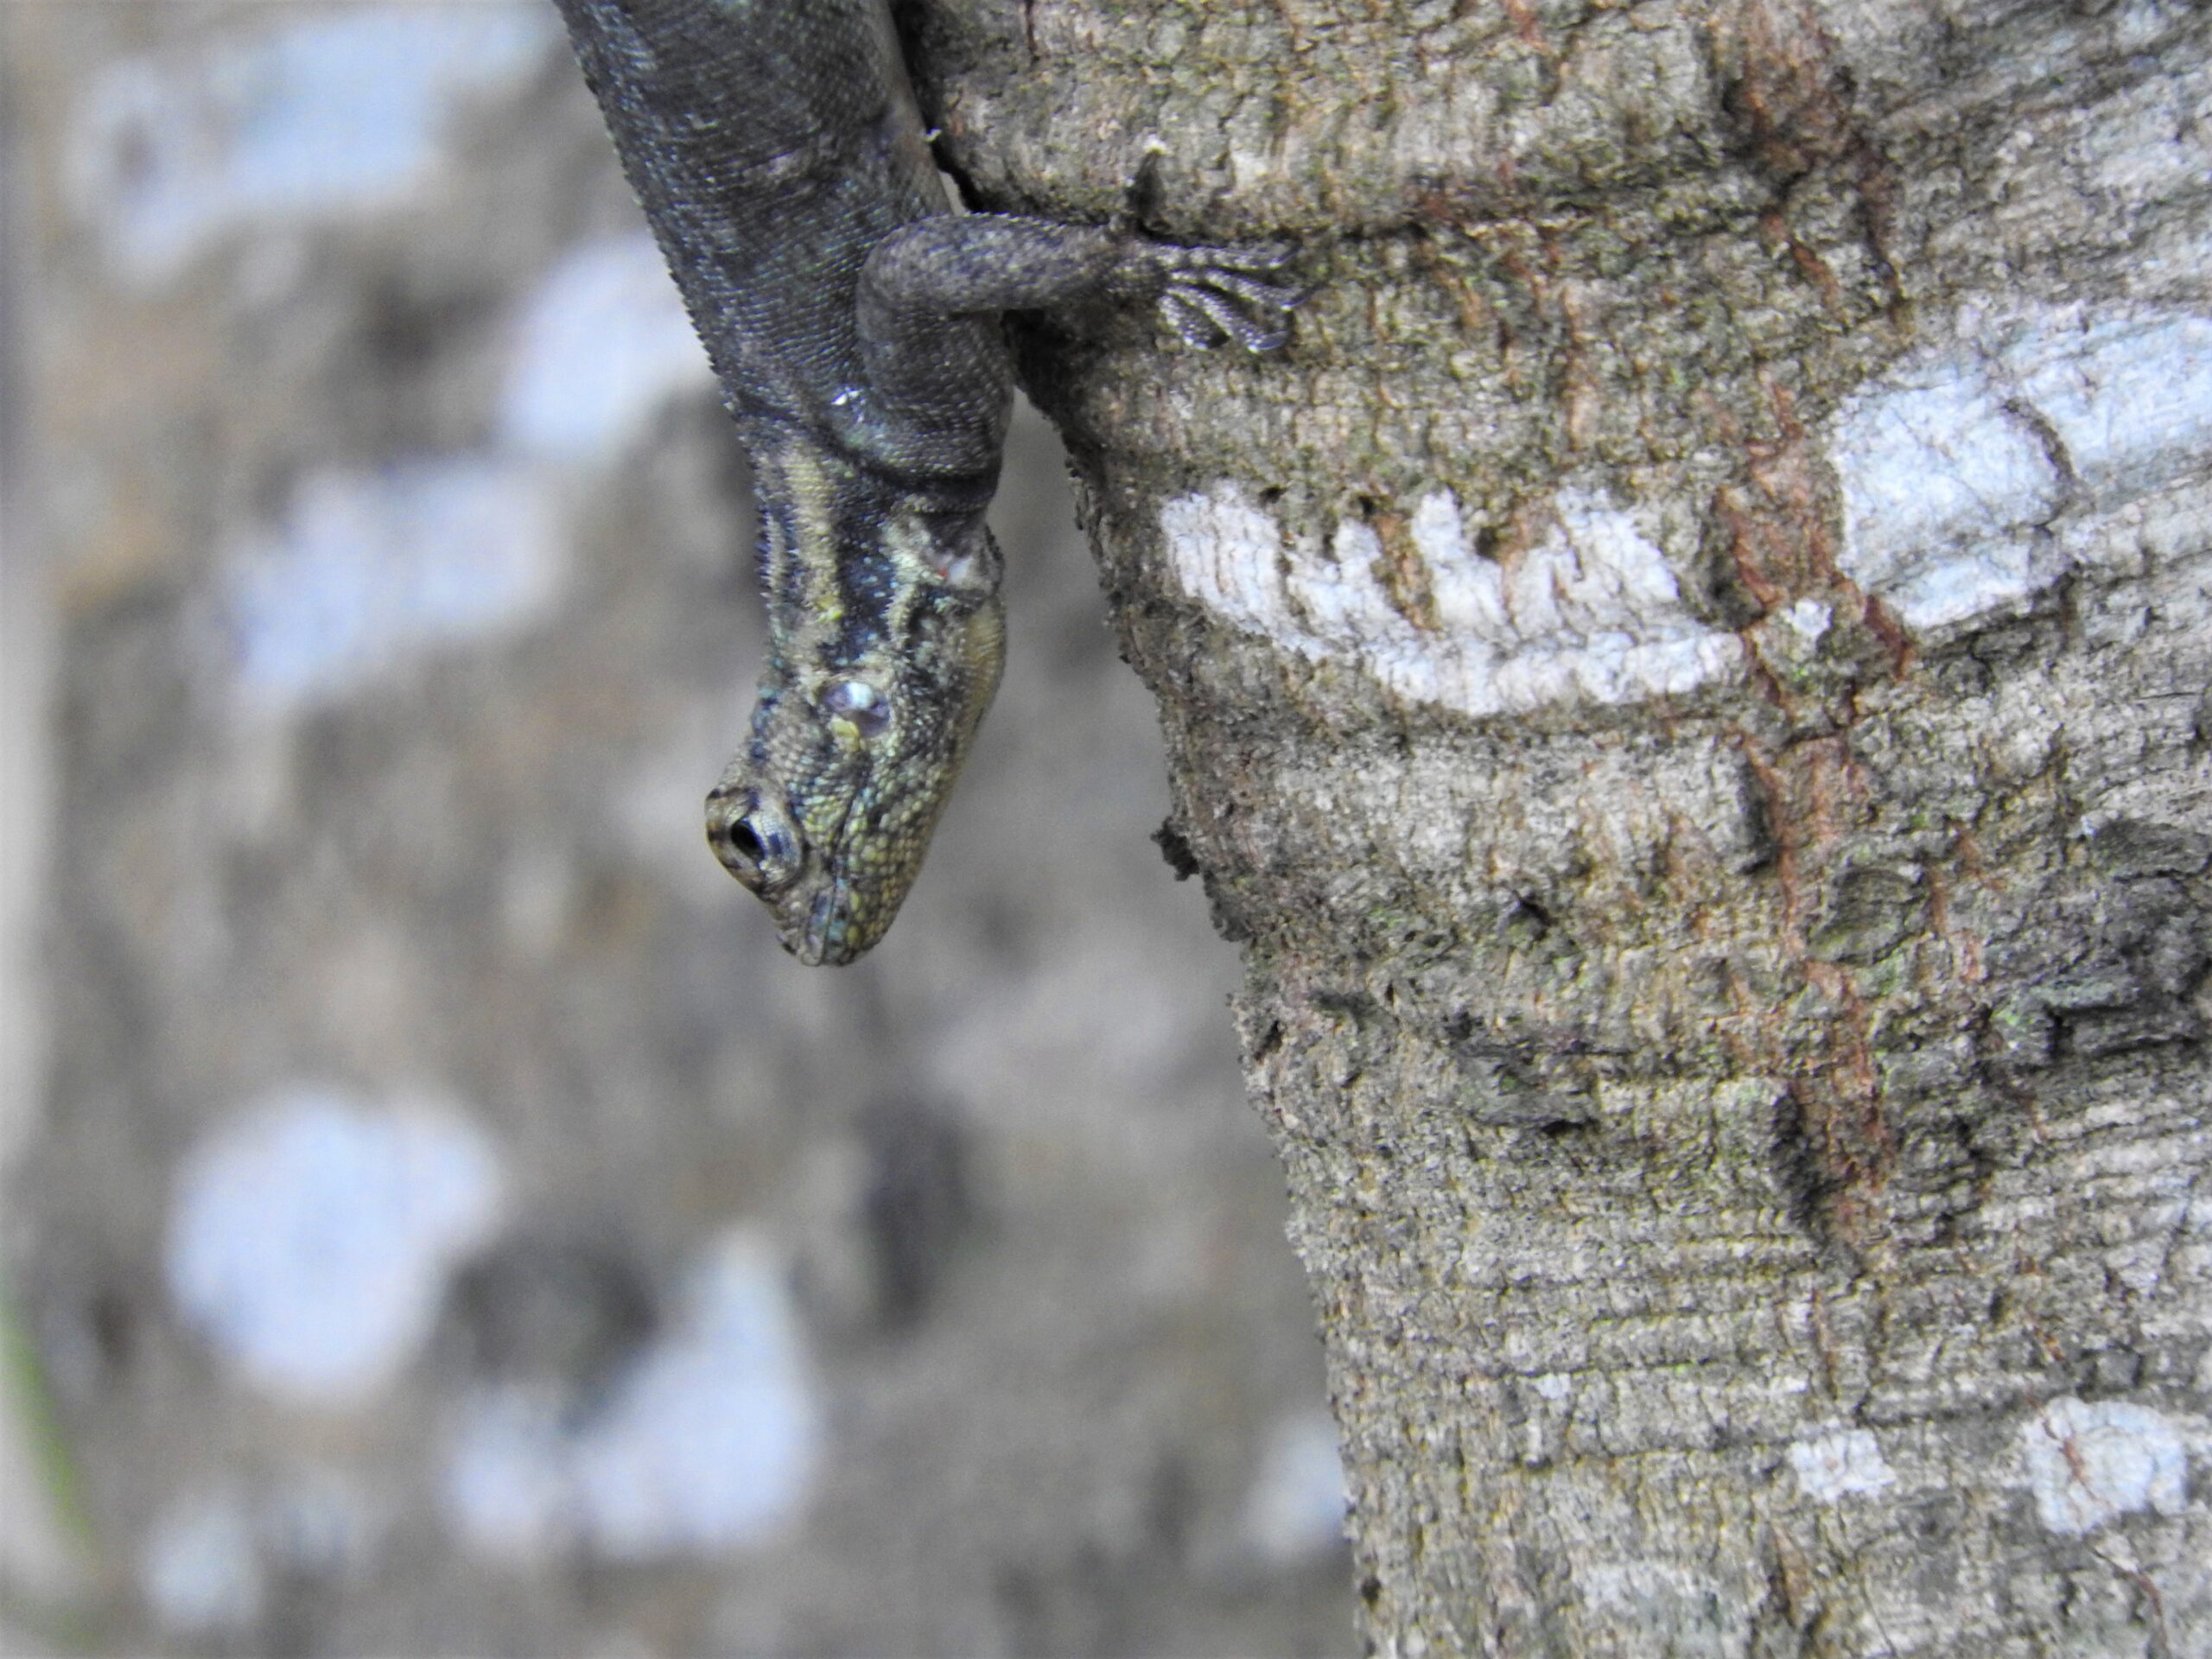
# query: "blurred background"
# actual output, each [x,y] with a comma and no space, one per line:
[438,1218]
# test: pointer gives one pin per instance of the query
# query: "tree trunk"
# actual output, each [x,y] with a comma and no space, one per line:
[1689,681]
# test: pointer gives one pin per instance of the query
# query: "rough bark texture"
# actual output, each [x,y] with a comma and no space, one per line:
[1688,680]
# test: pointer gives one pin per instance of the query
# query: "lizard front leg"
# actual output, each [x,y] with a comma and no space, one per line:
[950,265]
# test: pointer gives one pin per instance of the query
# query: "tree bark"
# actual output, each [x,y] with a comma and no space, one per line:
[1688,680]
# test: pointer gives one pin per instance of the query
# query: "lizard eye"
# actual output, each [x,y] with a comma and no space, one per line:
[858,703]
[752,842]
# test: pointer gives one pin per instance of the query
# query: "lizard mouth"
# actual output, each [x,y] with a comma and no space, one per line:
[825,938]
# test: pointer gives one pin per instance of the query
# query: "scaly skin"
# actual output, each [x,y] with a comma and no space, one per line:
[852,319]
[878,671]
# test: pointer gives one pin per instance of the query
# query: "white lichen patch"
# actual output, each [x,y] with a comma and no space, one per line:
[1691,1610]
[708,1442]
[365,570]
[1227,553]
[1592,613]
[602,344]
[1809,621]
[2090,1462]
[1836,1465]
[1295,1507]
[315,117]
[310,1237]
[1958,466]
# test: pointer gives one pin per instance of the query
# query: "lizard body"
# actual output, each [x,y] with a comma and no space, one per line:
[852,319]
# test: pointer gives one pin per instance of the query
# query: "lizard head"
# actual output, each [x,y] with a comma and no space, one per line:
[863,718]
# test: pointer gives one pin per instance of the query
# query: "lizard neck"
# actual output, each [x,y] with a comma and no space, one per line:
[851,556]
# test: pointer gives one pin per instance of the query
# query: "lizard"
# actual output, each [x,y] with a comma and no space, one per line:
[852,318]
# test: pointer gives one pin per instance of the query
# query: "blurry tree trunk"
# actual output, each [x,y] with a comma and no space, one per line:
[1689,681]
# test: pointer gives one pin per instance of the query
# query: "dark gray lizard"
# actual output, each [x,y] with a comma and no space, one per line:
[852,319]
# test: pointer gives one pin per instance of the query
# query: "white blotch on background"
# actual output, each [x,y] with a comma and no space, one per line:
[1834,1465]
[1957,466]
[201,1570]
[317,1523]
[206,1564]
[708,1442]
[1296,1504]
[1592,613]
[2089,1462]
[365,567]
[313,118]
[600,345]
[310,1236]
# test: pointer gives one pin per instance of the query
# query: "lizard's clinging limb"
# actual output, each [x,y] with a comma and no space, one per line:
[852,319]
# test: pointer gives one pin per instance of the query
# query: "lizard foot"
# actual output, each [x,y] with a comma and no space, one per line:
[1212,296]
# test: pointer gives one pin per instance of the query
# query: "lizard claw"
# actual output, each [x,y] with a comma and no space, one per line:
[1213,295]
[1205,318]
